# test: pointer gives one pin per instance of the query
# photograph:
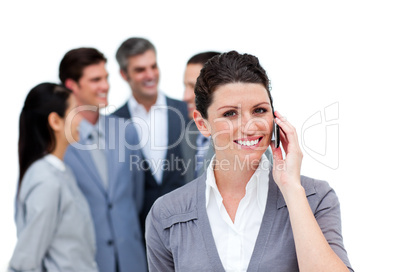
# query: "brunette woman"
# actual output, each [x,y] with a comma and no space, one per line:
[54,225]
[245,214]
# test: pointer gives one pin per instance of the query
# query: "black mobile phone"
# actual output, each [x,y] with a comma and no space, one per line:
[276,135]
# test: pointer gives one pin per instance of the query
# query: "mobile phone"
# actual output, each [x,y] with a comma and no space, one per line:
[276,135]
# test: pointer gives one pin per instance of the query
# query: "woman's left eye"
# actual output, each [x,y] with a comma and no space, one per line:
[260,110]
[229,113]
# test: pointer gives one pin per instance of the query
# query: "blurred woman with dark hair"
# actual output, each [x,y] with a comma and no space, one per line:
[54,225]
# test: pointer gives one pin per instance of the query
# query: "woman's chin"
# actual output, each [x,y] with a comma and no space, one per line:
[248,160]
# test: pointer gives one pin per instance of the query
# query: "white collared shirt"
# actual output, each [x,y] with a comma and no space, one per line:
[235,241]
[152,128]
[56,162]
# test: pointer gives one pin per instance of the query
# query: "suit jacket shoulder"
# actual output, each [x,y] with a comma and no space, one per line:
[179,205]
[122,111]
[315,191]
[181,105]
[178,105]
[181,216]
[114,208]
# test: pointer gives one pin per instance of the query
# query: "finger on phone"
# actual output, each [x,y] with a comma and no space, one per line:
[276,152]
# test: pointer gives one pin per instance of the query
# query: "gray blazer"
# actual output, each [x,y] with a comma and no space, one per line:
[54,226]
[114,209]
[179,236]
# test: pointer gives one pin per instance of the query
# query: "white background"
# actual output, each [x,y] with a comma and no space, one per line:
[316,54]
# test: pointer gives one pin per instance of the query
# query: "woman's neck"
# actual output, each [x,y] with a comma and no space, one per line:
[60,149]
[231,183]
[232,177]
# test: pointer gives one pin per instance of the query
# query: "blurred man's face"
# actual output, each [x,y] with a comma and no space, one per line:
[143,75]
[190,78]
[93,86]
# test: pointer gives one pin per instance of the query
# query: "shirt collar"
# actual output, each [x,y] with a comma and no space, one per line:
[259,181]
[86,128]
[211,183]
[134,105]
[55,162]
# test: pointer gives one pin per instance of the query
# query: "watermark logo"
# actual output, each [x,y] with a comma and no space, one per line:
[320,136]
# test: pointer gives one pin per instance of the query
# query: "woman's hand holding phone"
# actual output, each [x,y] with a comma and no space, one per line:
[286,171]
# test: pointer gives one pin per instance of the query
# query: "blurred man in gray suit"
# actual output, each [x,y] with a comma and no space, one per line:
[101,163]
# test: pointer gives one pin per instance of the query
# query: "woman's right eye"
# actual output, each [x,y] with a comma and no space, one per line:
[229,113]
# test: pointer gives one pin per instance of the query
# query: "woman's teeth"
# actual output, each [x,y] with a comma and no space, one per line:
[248,143]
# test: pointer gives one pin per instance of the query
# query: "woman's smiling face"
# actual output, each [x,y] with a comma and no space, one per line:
[240,121]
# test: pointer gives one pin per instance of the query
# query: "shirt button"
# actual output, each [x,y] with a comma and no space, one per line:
[110,206]
[110,242]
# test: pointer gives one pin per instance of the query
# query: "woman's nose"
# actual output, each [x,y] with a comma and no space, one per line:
[247,124]
[251,124]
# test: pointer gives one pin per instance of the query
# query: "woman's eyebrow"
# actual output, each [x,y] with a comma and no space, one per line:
[237,107]
[229,106]
[259,104]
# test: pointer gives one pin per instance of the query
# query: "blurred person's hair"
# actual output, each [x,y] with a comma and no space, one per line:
[132,47]
[74,61]
[226,68]
[202,58]
[36,137]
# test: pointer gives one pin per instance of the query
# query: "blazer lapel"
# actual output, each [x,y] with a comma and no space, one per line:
[85,159]
[174,130]
[110,158]
[266,225]
[174,124]
[114,156]
[205,226]
[123,112]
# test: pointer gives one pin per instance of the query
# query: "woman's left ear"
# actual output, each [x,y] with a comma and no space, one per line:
[55,121]
[201,123]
